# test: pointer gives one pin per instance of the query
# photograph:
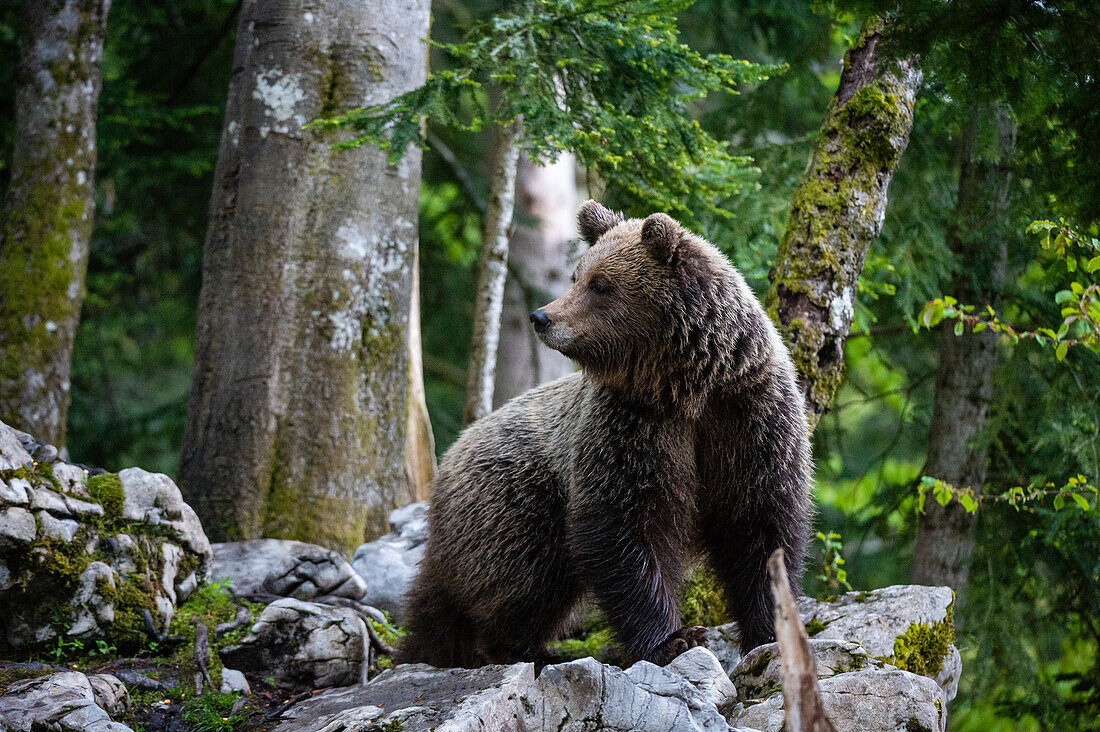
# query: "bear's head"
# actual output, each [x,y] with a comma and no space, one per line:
[654,311]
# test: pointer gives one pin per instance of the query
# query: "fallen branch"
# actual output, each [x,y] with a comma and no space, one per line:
[802,703]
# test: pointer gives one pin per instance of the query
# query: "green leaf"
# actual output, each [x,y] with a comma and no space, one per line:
[1059,501]
[1063,296]
[1060,352]
[1093,264]
[959,328]
[968,502]
[1080,501]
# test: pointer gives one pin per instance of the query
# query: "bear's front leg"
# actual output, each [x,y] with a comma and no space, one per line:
[629,521]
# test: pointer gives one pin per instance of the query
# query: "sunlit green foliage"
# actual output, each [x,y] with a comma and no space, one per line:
[607,79]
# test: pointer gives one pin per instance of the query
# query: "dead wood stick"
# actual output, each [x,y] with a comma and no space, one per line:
[802,703]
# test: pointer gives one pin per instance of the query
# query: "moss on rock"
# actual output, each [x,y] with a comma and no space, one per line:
[923,646]
[106,490]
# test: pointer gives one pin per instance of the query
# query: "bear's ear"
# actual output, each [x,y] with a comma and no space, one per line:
[593,221]
[661,236]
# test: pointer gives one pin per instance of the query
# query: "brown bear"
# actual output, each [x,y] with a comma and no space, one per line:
[684,432]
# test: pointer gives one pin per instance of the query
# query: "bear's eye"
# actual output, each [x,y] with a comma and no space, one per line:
[597,285]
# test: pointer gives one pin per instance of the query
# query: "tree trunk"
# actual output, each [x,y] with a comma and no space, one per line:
[538,271]
[964,378]
[492,272]
[838,210]
[419,439]
[49,210]
[298,412]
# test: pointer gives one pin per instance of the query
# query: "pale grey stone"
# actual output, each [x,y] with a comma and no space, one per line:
[585,695]
[874,619]
[110,694]
[304,643]
[950,673]
[390,563]
[61,702]
[170,556]
[757,676]
[17,527]
[234,681]
[12,453]
[286,569]
[90,609]
[876,700]
[420,698]
[154,499]
[186,586]
[724,641]
[63,529]
[72,478]
[13,492]
[44,499]
[78,507]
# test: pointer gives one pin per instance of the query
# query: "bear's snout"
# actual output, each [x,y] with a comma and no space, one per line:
[540,320]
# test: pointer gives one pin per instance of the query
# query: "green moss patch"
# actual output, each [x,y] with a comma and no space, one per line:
[704,600]
[106,490]
[922,647]
[814,626]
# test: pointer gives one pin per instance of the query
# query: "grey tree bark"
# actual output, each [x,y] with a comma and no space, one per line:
[492,272]
[297,418]
[538,271]
[957,448]
[837,211]
[48,210]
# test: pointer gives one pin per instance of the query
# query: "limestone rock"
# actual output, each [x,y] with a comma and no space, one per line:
[286,569]
[757,676]
[420,698]
[585,695]
[724,641]
[12,453]
[63,529]
[234,681]
[92,610]
[876,700]
[390,563]
[582,695]
[110,694]
[103,548]
[62,701]
[154,499]
[876,619]
[303,643]
[17,526]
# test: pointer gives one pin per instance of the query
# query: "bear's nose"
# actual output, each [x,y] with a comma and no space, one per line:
[540,320]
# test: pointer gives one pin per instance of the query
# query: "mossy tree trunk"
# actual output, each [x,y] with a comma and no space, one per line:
[957,448]
[837,211]
[48,210]
[297,419]
[492,273]
[538,271]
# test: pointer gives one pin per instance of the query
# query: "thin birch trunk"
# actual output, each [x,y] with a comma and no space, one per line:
[298,413]
[538,271]
[420,441]
[492,273]
[48,210]
[838,210]
[957,449]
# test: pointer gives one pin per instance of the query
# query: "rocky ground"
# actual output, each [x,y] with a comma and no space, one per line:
[117,614]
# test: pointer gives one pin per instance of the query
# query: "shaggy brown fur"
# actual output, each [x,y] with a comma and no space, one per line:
[684,432]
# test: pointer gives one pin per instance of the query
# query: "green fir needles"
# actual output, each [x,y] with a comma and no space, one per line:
[605,79]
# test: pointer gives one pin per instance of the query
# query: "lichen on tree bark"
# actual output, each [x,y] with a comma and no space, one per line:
[298,410]
[837,211]
[48,210]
